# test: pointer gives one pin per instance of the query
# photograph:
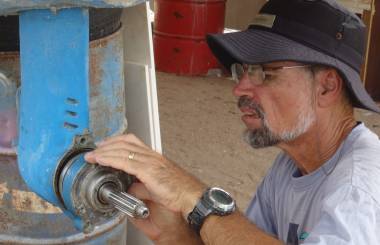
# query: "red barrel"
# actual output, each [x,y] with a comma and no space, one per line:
[180,29]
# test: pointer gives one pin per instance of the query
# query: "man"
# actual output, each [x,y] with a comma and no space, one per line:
[298,70]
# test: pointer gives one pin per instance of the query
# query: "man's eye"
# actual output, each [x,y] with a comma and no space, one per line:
[269,76]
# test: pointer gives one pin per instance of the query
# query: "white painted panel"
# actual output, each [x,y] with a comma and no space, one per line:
[141,90]
[138,53]
[137,32]
[138,109]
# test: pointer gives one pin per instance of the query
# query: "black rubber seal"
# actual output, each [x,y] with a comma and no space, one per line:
[103,22]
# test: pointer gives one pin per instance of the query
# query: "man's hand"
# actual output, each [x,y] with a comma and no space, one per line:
[164,182]
[170,192]
[163,226]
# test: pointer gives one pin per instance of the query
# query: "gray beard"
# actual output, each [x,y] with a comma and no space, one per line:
[264,136]
[261,137]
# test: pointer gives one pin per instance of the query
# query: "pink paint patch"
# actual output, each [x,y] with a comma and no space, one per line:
[8,130]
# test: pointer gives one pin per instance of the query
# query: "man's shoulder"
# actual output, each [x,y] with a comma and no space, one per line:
[362,150]
[361,146]
[364,139]
[359,165]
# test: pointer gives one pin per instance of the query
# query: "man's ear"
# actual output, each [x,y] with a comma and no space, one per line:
[329,88]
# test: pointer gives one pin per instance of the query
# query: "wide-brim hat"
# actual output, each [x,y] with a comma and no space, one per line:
[317,32]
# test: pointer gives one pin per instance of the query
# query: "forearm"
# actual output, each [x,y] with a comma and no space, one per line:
[183,240]
[180,234]
[234,229]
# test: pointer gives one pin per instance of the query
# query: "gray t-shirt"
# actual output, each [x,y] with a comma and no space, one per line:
[339,203]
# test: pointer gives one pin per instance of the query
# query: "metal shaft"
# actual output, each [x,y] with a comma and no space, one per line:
[123,201]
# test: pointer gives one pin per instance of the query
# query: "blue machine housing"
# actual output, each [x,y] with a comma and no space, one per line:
[54,98]
[55,128]
[55,108]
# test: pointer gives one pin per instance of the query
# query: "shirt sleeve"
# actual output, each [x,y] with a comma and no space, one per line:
[350,216]
[259,211]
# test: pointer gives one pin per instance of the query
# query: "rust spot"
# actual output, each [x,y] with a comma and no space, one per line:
[4,220]
[5,159]
[44,204]
[96,55]
[10,65]
[27,203]
[10,56]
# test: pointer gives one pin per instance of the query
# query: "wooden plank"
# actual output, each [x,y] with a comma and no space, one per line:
[372,68]
[368,20]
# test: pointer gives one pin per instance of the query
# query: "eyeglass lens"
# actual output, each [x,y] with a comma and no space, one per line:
[253,71]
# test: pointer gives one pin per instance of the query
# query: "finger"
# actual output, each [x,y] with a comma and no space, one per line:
[118,145]
[140,191]
[147,227]
[129,166]
[90,157]
[117,152]
[126,157]
[117,148]
[130,138]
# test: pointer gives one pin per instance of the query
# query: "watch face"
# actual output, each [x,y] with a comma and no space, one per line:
[221,200]
[221,197]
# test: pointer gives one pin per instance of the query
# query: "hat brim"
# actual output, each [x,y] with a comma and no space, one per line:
[255,46]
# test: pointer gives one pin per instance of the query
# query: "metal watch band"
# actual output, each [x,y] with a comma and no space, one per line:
[195,220]
[199,213]
[209,204]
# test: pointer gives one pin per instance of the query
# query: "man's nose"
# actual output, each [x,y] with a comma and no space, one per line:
[244,87]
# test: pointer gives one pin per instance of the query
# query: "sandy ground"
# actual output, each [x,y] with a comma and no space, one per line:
[201,130]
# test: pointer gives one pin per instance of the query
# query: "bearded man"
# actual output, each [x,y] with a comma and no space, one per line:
[297,71]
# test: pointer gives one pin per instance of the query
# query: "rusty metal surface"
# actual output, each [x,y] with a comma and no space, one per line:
[107,95]
[107,107]
[27,219]
[10,68]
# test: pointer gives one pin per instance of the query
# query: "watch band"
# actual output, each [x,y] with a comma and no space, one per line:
[195,220]
[200,212]
[210,204]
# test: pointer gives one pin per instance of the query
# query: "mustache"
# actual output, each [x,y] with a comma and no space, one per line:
[245,101]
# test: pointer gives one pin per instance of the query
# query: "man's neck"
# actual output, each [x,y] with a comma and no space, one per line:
[312,149]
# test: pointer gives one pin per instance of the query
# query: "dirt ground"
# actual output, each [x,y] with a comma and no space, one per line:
[202,131]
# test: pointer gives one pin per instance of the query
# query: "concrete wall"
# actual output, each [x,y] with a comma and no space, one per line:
[240,13]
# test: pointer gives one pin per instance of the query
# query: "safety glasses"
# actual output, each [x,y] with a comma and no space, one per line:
[258,74]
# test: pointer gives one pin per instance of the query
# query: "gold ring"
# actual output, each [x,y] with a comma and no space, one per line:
[131,155]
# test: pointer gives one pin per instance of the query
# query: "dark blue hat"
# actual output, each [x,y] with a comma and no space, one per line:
[309,31]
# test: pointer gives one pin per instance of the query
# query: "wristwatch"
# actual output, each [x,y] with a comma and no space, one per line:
[213,201]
